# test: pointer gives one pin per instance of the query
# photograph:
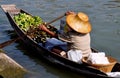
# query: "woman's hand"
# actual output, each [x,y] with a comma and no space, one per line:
[69,12]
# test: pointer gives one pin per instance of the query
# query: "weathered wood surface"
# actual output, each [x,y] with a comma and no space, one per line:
[10,68]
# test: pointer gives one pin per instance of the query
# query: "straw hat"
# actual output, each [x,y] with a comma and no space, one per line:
[79,22]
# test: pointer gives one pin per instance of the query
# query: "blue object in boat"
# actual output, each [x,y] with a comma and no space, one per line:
[52,42]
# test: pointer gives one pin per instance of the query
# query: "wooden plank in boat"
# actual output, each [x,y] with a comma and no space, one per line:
[10,8]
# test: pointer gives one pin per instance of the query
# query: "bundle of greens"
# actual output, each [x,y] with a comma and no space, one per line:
[30,23]
[25,21]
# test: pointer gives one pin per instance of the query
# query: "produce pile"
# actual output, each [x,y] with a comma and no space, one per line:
[25,21]
[30,23]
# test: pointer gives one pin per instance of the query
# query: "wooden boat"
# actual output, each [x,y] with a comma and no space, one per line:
[53,57]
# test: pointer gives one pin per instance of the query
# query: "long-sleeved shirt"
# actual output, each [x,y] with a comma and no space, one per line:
[78,41]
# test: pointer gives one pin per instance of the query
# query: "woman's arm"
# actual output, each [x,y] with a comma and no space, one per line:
[43,27]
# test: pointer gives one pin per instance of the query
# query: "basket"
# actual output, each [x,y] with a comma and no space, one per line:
[102,67]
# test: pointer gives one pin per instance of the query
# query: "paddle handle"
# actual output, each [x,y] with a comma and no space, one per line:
[2,45]
[55,19]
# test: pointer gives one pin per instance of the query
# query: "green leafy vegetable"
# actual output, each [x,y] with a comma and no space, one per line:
[25,21]
[30,23]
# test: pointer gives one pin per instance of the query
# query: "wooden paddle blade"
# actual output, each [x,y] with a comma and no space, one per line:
[2,45]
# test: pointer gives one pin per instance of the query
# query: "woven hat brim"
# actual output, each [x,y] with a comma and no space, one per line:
[77,24]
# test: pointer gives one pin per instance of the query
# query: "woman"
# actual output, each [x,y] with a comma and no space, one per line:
[76,34]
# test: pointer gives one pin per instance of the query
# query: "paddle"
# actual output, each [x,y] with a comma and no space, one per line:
[6,43]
